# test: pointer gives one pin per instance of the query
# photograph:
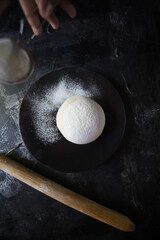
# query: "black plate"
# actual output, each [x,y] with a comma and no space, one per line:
[64,155]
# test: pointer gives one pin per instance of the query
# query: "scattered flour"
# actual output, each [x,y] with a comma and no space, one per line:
[44,107]
[9,118]
[9,186]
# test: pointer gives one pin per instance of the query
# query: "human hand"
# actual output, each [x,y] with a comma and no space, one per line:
[46,10]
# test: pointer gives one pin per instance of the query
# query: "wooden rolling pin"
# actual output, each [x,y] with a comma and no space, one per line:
[66,196]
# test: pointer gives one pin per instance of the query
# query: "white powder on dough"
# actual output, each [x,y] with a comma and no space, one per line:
[80,119]
[44,106]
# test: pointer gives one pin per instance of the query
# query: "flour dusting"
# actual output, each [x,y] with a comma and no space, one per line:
[80,120]
[9,119]
[9,186]
[45,106]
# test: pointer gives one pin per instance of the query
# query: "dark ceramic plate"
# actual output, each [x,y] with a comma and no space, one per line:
[64,155]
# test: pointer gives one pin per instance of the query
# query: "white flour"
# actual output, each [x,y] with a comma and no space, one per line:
[9,118]
[45,106]
[80,119]
[9,186]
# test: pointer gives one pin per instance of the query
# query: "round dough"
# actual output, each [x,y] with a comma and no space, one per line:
[80,119]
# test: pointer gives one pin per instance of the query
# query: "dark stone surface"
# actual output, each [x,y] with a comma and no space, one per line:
[121,40]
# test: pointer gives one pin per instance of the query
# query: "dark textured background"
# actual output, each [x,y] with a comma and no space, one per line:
[121,40]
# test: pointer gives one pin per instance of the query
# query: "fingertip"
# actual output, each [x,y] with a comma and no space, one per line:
[34,29]
[54,26]
[72,11]
[53,21]
[69,8]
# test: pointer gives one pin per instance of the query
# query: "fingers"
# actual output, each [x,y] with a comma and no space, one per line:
[33,20]
[68,8]
[53,21]
[46,8]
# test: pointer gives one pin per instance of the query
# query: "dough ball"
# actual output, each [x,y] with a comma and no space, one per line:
[80,119]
